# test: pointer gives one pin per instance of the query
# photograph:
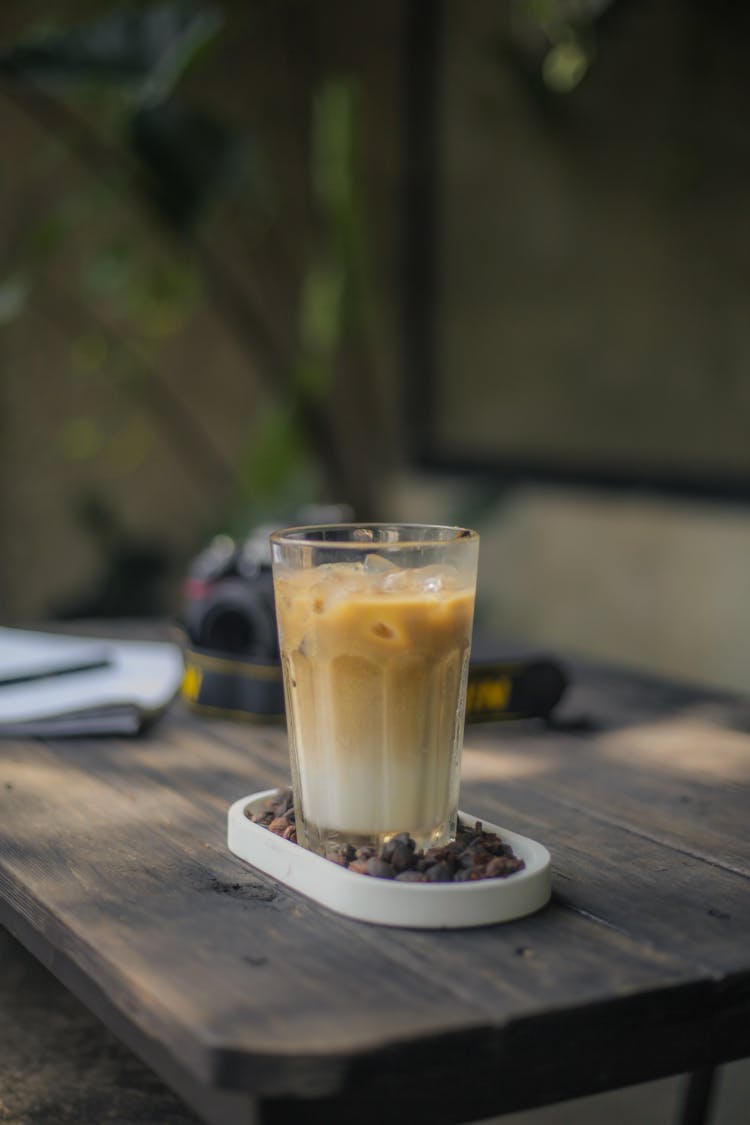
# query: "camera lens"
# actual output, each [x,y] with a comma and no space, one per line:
[229,631]
[241,625]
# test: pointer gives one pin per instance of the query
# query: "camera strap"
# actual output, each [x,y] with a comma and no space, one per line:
[233,687]
[230,686]
[513,689]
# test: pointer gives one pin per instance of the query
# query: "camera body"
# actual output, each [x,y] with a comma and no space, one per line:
[228,607]
[232,665]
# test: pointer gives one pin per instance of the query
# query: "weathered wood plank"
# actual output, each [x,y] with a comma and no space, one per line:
[141,847]
[698,806]
[113,859]
[668,760]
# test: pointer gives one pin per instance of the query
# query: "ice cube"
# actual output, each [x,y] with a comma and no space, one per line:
[378,566]
[436,579]
[340,574]
[396,581]
[336,581]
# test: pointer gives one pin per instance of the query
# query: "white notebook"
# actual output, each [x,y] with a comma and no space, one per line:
[54,685]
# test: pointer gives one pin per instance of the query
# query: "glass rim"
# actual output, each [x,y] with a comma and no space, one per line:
[300,536]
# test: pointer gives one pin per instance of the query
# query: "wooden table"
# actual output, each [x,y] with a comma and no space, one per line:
[257,1005]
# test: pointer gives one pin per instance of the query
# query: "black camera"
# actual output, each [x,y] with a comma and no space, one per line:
[232,665]
[229,598]
[232,657]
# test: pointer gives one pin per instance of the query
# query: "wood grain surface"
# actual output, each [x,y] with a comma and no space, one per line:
[258,1004]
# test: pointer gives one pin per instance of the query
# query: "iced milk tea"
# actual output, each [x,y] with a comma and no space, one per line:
[375,658]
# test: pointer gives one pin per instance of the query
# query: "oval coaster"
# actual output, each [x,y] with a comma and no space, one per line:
[384,901]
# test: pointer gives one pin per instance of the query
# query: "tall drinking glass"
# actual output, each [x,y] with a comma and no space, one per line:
[375,630]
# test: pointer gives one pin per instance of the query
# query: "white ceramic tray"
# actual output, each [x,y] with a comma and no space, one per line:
[384,901]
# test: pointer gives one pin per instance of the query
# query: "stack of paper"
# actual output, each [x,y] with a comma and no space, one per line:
[53,685]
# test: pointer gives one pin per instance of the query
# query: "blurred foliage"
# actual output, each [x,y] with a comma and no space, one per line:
[139,53]
[13,292]
[110,92]
[127,65]
[553,43]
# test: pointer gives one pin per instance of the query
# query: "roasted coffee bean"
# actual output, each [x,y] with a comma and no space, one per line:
[379,868]
[279,825]
[447,857]
[277,803]
[402,840]
[342,854]
[281,808]
[502,865]
[402,857]
[438,873]
[474,854]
